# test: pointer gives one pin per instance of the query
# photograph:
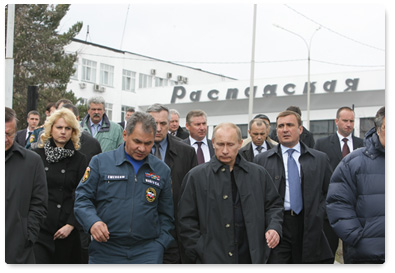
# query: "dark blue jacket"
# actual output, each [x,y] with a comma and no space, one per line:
[356,201]
[135,207]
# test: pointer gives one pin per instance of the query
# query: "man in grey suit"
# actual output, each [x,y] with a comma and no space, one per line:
[258,143]
[336,146]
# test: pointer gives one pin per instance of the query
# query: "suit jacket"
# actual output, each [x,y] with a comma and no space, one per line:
[210,145]
[315,175]
[20,137]
[331,146]
[122,123]
[248,153]
[181,133]
[26,199]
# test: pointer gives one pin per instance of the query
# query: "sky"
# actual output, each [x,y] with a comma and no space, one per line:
[218,37]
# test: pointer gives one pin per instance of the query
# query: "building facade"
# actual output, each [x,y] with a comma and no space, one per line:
[130,80]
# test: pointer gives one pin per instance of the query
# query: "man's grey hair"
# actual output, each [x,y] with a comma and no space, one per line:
[380,115]
[157,107]
[174,112]
[195,113]
[147,121]
[97,100]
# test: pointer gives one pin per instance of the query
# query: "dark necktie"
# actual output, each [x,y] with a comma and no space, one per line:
[345,150]
[295,187]
[199,152]
[157,152]
[28,137]
[259,149]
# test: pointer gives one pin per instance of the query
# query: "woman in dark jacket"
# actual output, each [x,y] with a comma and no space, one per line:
[356,198]
[59,239]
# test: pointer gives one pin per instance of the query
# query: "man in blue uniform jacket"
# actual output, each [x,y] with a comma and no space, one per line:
[124,199]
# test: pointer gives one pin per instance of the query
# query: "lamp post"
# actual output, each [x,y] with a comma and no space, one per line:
[308,46]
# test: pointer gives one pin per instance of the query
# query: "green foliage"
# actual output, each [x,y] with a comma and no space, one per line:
[39,56]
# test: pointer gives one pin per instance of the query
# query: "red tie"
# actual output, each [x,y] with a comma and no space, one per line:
[199,153]
[345,150]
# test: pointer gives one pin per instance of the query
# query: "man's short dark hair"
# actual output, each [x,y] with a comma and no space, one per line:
[295,109]
[380,115]
[341,109]
[73,108]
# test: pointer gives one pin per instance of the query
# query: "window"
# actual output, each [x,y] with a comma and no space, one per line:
[365,125]
[160,82]
[107,75]
[109,110]
[88,70]
[128,80]
[244,130]
[75,75]
[145,81]
[124,109]
[322,128]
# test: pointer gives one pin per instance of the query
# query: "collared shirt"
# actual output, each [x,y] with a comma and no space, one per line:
[162,149]
[95,128]
[295,155]
[28,133]
[205,149]
[349,142]
[264,148]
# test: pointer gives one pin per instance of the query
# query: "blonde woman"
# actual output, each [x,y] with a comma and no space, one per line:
[64,165]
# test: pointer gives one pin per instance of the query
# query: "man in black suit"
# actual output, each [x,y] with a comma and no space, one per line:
[196,124]
[302,176]
[180,158]
[129,112]
[336,146]
[258,143]
[175,128]
[33,119]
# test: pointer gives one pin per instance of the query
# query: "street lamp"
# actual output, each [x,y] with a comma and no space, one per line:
[308,45]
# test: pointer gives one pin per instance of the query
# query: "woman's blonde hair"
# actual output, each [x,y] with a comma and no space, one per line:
[70,119]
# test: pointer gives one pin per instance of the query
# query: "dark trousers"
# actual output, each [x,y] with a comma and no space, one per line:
[60,251]
[289,250]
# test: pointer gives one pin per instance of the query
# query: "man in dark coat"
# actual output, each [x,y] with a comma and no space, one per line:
[180,158]
[306,136]
[196,123]
[175,128]
[333,146]
[22,136]
[259,143]
[356,198]
[230,210]
[303,238]
[26,196]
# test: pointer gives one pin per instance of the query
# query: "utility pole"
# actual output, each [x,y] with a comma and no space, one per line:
[251,93]
[9,56]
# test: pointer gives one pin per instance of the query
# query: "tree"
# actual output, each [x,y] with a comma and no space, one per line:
[39,56]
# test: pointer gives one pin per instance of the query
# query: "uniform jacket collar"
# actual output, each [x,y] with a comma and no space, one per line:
[120,158]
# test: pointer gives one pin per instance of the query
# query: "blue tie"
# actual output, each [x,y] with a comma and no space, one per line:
[295,188]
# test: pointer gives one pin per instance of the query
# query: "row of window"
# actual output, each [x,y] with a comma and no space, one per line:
[89,72]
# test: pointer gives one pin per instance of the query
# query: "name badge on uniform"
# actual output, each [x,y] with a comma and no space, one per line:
[153,179]
[115,177]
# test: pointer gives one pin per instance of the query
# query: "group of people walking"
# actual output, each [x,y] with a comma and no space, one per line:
[97,192]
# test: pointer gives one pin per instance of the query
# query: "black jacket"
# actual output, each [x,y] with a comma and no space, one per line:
[206,211]
[26,198]
[315,175]
[331,146]
[248,153]
[181,133]
[90,146]
[62,179]
[356,201]
[20,137]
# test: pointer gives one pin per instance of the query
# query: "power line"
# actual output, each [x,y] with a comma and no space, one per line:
[228,62]
[333,31]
